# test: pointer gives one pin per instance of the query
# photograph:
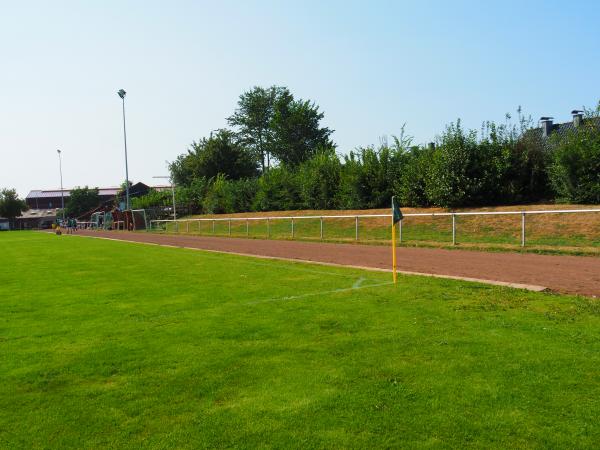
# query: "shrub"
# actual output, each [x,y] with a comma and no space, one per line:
[319,180]
[278,190]
[575,166]
[244,194]
[219,197]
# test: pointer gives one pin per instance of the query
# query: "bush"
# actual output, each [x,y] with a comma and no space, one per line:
[349,193]
[319,180]
[152,199]
[278,190]
[219,197]
[244,194]
[466,171]
[411,184]
[575,167]
[370,175]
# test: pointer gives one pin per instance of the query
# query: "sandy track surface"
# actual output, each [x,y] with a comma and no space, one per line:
[565,274]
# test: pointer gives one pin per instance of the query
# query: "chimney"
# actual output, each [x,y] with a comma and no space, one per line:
[577,117]
[546,125]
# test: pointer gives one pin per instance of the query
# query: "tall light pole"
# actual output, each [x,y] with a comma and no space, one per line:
[122,93]
[62,193]
[172,191]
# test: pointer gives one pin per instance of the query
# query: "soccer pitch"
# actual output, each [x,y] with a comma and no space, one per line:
[107,344]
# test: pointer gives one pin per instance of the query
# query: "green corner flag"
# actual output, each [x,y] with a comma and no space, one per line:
[397,214]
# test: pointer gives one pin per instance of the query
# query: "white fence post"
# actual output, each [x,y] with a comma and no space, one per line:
[321,228]
[268,228]
[453,229]
[292,228]
[229,230]
[247,228]
[213,226]
[356,228]
[523,229]
[400,230]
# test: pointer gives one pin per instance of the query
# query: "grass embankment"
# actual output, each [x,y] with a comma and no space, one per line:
[550,233]
[107,344]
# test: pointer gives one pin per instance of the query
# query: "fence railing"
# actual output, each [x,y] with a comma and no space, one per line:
[358,217]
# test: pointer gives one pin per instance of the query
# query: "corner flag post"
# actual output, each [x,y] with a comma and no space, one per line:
[396,217]
[394,251]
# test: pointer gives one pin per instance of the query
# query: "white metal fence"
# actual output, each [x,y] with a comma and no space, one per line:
[157,224]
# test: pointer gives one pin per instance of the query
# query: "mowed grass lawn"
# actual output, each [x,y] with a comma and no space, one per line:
[108,344]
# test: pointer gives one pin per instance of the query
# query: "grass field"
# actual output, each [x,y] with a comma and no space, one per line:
[108,344]
[551,233]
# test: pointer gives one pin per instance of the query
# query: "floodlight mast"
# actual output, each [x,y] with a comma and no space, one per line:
[62,193]
[121,93]
[172,191]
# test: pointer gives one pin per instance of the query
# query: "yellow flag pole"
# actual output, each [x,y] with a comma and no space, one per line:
[394,249]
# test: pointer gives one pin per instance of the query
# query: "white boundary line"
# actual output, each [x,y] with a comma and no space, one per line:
[528,287]
[313,294]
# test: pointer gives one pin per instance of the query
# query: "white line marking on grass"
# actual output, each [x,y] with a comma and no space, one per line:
[528,287]
[313,294]
[217,253]
[358,282]
[294,262]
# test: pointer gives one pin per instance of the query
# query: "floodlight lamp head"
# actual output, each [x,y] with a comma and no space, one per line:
[122,93]
[58,151]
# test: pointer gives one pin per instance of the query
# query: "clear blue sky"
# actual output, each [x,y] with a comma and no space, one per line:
[370,66]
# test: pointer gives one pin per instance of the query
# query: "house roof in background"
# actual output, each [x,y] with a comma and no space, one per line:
[67,192]
[106,191]
[39,213]
[562,129]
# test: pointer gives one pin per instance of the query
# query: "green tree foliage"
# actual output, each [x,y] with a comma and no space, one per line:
[227,196]
[253,119]
[370,176]
[271,122]
[411,184]
[11,205]
[82,200]
[220,154]
[244,193]
[575,166]
[297,132]
[219,197]
[278,190]
[152,199]
[319,180]
[467,170]
[502,164]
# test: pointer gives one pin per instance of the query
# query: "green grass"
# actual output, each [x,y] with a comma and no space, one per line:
[109,344]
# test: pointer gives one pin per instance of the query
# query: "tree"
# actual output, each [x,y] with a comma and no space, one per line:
[221,153]
[253,119]
[297,134]
[272,123]
[11,205]
[81,201]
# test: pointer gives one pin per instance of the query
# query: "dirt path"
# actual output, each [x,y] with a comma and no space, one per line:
[566,274]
